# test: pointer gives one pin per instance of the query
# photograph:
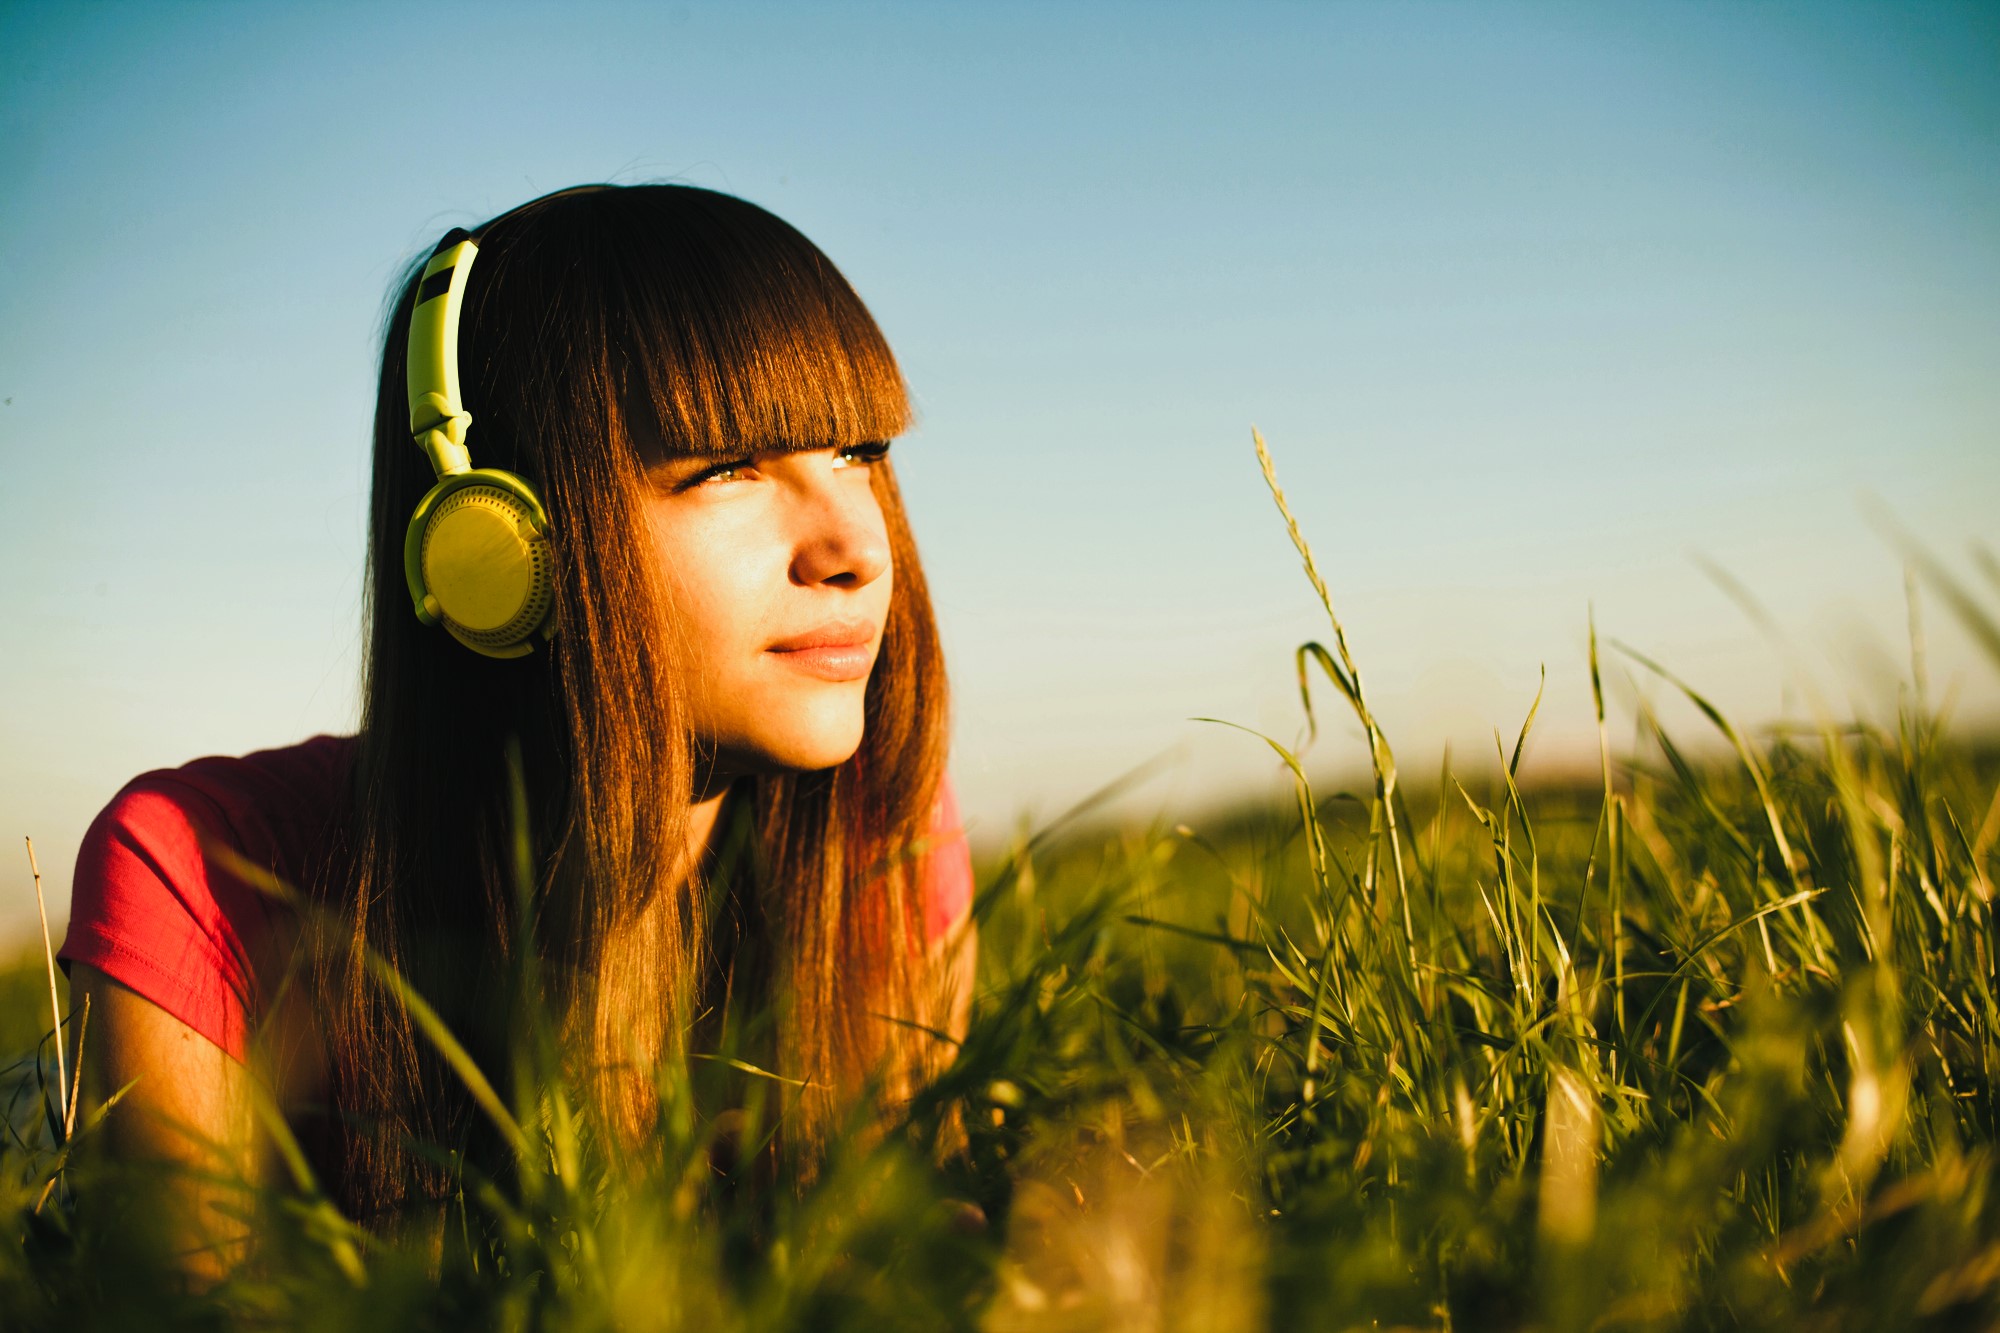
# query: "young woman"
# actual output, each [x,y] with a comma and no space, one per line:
[719,684]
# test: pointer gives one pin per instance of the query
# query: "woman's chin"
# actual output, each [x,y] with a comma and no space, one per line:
[812,758]
[803,744]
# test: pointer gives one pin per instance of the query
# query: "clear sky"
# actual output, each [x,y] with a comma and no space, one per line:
[1536,303]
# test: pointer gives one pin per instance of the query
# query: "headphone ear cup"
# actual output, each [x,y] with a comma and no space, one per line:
[479,562]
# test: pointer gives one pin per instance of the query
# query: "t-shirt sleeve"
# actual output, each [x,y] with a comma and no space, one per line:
[947,869]
[151,910]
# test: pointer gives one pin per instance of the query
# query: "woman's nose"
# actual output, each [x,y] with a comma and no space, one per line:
[842,539]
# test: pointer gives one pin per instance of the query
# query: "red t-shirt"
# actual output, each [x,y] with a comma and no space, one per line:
[152,911]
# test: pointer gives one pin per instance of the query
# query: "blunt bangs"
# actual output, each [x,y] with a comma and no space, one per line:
[727,331]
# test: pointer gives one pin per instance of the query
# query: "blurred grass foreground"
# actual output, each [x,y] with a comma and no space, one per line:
[1707,1043]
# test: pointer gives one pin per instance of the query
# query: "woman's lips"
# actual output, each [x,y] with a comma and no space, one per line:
[839,651]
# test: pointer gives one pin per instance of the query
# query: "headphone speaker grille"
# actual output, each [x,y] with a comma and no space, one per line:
[488,565]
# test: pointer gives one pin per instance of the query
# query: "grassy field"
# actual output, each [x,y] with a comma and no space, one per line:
[1701,1044]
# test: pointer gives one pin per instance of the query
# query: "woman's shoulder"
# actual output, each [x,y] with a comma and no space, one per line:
[259,803]
[155,903]
[947,868]
[273,806]
[284,785]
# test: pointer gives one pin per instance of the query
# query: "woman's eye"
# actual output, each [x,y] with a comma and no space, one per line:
[721,472]
[862,455]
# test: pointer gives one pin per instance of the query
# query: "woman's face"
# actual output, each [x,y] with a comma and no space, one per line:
[777,575]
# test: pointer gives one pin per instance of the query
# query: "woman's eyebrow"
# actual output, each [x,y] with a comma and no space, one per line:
[688,464]
[674,472]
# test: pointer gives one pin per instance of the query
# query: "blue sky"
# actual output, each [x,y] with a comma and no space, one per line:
[1536,304]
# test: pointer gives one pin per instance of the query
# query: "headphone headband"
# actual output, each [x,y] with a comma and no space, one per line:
[438,419]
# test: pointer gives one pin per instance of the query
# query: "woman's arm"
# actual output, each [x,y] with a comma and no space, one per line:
[187,1125]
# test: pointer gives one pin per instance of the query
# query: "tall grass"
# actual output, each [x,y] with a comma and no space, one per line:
[1706,1043]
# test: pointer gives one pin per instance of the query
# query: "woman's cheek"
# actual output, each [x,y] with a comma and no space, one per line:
[698,556]
[729,611]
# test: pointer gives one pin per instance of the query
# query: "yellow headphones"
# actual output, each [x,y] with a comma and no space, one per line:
[477,553]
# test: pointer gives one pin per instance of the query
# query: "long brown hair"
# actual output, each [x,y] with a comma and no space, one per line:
[597,326]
